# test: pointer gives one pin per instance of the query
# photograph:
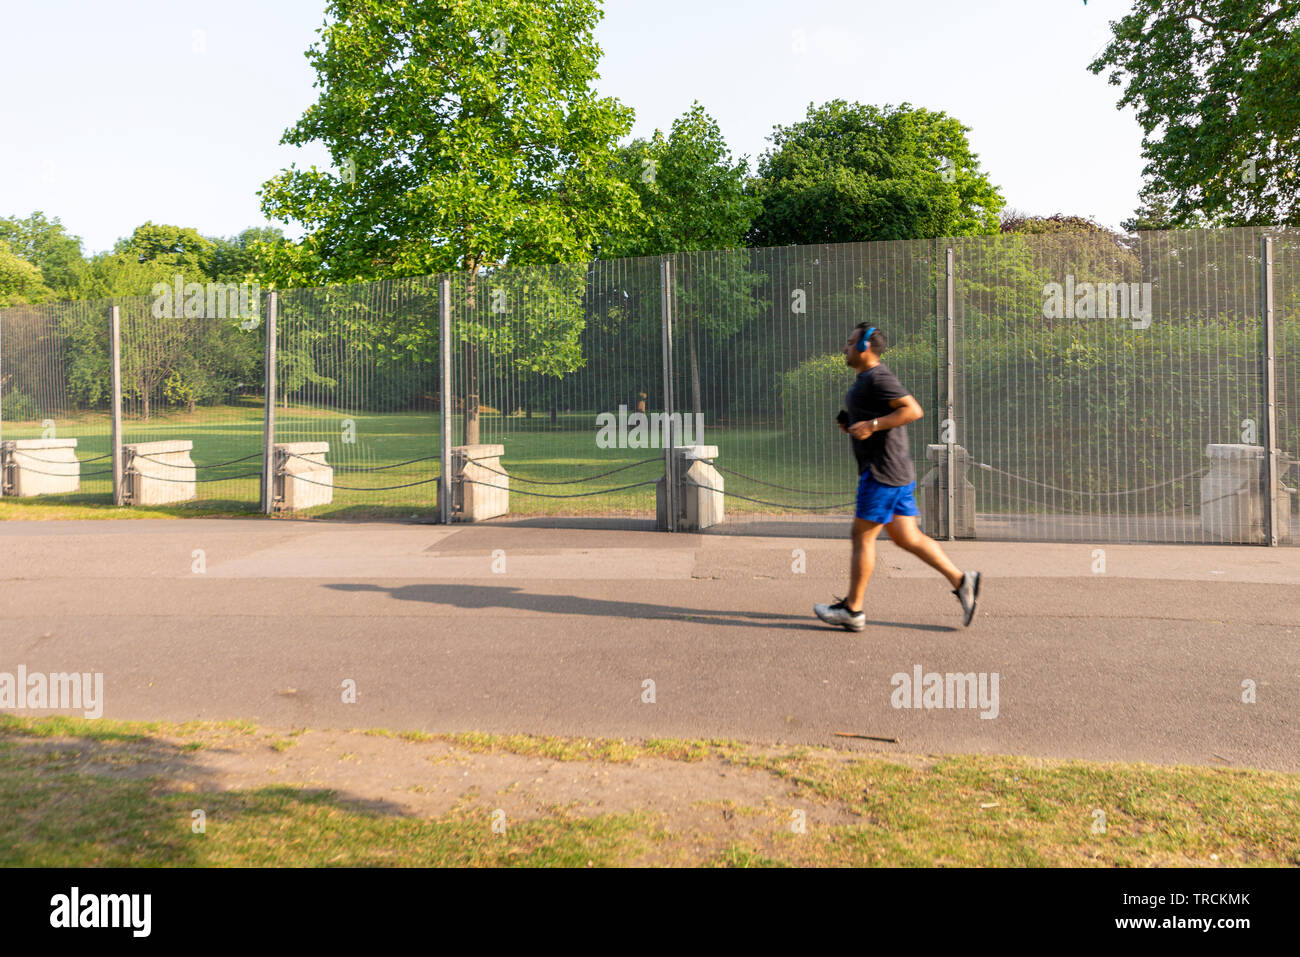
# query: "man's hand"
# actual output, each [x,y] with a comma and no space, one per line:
[860,430]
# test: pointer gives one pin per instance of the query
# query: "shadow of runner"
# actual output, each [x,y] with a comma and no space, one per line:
[503,596]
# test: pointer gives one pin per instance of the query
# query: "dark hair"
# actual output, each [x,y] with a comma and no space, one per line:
[877,340]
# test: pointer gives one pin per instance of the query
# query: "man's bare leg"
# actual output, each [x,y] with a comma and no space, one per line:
[864,561]
[905,534]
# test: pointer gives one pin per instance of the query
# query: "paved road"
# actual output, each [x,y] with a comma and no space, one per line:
[221,618]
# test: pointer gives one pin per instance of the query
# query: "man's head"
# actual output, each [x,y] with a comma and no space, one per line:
[863,348]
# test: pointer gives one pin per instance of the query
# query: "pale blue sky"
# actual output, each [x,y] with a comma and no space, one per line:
[117,113]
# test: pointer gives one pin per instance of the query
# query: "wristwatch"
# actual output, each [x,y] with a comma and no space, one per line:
[875,424]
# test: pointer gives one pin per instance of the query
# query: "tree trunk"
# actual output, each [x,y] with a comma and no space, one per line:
[695,377]
[471,397]
[555,412]
[471,356]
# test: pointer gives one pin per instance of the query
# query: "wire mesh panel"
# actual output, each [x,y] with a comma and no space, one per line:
[357,389]
[192,372]
[556,375]
[759,366]
[1104,388]
[1286,313]
[1101,382]
[54,386]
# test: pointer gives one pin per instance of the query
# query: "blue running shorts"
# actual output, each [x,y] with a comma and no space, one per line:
[880,503]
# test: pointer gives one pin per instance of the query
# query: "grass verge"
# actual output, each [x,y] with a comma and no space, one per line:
[106,793]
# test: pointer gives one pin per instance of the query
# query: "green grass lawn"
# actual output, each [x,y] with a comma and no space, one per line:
[85,793]
[388,469]
[535,450]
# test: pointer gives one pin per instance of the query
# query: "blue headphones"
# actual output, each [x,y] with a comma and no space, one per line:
[863,344]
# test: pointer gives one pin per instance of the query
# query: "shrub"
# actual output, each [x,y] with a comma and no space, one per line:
[18,407]
[1098,408]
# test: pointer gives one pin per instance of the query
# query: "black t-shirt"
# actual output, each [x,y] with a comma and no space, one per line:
[885,453]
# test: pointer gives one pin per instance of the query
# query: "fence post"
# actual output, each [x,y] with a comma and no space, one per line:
[268,427]
[115,361]
[444,401]
[666,310]
[1270,391]
[951,524]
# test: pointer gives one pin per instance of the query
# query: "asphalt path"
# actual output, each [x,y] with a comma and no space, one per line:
[1143,653]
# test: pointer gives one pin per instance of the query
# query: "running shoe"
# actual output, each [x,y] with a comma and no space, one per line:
[838,614]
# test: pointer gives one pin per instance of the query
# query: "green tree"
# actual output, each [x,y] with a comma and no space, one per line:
[217,355]
[1155,211]
[121,274]
[152,350]
[20,281]
[692,194]
[855,173]
[181,246]
[47,244]
[1075,244]
[152,254]
[240,258]
[84,329]
[1216,87]
[693,197]
[465,136]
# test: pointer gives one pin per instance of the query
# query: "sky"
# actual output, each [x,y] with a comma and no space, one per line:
[118,113]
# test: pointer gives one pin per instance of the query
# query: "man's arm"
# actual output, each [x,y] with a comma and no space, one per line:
[906,409]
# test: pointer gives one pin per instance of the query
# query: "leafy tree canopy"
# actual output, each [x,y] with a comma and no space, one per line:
[46,244]
[1216,87]
[240,258]
[692,194]
[1015,221]
[181,246]
[855,173]
[20,281]
[465,134]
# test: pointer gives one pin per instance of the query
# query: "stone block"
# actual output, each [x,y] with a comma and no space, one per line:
[39,467]
[1233,496]
[159,473]
[479,488]
[303,477]
[932,497]
[700,489]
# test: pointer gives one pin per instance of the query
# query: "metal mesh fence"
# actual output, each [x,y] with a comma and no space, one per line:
[192,392]
[54,386]
[1286,306]
[1093,376]
[1102,389]
[558,370]
[357,380]
[758,362]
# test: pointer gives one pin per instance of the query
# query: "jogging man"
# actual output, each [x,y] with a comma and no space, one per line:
[878,410]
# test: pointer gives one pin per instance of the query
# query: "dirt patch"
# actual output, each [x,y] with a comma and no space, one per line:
[699,806]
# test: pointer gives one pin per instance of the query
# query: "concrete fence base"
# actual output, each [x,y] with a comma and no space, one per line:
[303,478]
[479,488]
[933,498]
[158,473]
[39,467]
[699,490]
[1233,496]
